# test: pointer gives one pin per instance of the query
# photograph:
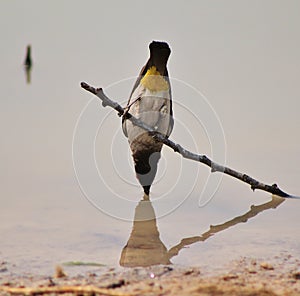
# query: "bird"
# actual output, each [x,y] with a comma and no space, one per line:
[151,102]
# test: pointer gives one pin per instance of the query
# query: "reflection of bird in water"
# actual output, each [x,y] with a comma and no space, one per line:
[144,247]
[28,64]
[151,102]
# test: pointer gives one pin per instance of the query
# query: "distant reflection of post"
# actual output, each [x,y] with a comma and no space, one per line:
[144,247]
[28,74]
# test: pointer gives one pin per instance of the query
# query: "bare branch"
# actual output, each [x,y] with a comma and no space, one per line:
[215,167]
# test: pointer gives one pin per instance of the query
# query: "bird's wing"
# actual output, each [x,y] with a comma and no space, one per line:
[137,82]
[132,104]
[153,109]
[133,96]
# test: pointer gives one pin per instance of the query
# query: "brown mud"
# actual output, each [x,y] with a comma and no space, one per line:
[247,276]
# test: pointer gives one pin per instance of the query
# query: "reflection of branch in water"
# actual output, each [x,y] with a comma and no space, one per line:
[144,247]
[254,210]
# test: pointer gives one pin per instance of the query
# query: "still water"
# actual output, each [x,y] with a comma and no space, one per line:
[68,190]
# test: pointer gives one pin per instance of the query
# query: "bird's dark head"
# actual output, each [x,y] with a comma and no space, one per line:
[159,54]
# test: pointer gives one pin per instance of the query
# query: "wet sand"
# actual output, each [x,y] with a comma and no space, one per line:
[247,276]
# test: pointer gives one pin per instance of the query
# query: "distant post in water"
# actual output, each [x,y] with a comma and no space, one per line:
[28,64]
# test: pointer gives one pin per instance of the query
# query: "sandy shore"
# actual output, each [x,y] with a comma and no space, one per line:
[247,276]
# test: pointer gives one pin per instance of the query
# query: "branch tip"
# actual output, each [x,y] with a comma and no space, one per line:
[83,85]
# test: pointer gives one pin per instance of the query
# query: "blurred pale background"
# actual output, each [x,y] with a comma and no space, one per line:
[244,56]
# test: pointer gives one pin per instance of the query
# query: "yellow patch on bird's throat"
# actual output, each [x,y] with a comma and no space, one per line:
[154,81]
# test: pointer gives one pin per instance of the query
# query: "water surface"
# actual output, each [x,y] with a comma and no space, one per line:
[249,80]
